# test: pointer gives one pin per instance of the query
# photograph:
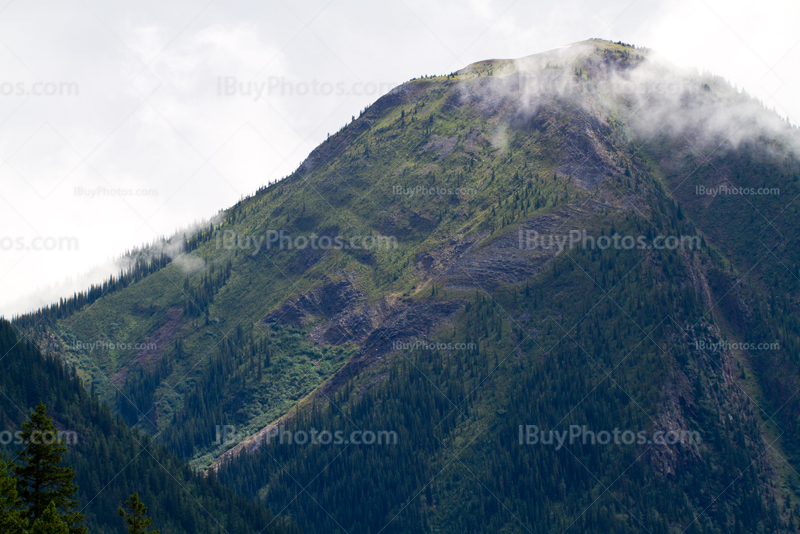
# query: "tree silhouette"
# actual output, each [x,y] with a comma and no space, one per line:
[135,515]
[49,523]
[11,520]
[41,479]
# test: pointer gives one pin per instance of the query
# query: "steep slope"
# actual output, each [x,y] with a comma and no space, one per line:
[111,461]
[145,345]
[538,221]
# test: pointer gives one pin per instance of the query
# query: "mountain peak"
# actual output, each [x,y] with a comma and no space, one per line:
[521,247]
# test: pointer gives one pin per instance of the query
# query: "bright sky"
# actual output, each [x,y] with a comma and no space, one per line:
[122,121]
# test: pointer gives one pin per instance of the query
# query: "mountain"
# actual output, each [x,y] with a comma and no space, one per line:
[564,289]
[110,460]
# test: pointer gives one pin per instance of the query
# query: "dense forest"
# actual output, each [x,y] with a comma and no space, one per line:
[457,415]
[112,462]
[470,341]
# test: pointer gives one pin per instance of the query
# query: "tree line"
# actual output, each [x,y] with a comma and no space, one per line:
[37,493]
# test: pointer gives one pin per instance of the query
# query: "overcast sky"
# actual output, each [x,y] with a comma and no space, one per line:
[122,121]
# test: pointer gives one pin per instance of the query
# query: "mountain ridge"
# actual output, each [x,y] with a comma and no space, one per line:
[466,171]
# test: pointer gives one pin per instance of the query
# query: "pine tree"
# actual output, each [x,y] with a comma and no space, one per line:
[41,478]
[49,523]
[135,515]
[11,520]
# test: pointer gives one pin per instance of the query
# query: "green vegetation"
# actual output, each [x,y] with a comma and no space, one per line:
[109,460]
[457,415]
[455,170]
[135,516]
[11,518]
[44,486]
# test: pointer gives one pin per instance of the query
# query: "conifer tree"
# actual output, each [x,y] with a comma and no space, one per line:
[41,479]
[49,523]
[135,515]
[11,520]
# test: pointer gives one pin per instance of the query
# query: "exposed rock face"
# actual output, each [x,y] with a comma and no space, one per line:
[463,263]
[377,327]
[328,300]
[514,256]
[349,318]
[407,321]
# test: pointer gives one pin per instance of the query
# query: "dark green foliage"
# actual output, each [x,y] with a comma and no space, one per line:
[135,516]
[458,465]
[135,400]
[140,265]
[110,461]
[12,521]
[597,338]
[199,297]
[50,522]
[42,481]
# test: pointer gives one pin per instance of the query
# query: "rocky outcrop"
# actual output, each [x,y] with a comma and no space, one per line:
[514,256]
[408,320]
